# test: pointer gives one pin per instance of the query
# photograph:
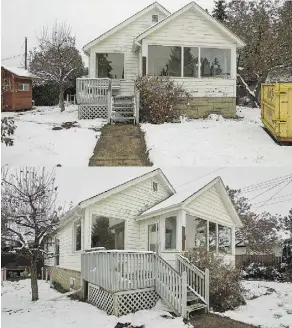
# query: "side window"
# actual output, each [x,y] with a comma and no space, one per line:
[77,235]
[170,233]
[155,18]
[57,252]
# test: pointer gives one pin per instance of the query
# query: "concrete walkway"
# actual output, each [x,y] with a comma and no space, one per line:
[120,145]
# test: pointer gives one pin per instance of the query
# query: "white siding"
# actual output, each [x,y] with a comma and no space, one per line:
[122,41]
[210,206]
[190,29]
[127,205]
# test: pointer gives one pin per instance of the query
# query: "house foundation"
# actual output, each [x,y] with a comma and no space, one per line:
[68,279]
[202,107]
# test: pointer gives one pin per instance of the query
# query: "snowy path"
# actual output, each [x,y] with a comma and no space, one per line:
[35,143]
[215,141]
[19,312]
[269,305]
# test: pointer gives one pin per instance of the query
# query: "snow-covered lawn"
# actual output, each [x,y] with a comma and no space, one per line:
[19,312]
[269,305]
[35,143]
[215,141]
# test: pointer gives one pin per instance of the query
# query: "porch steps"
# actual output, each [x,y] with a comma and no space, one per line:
[194,303]
[123,109]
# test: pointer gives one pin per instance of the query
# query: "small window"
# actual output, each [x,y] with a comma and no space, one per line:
[77,235]
[57,252]
[155,18]
[154,186]
[170,233]
[23,86]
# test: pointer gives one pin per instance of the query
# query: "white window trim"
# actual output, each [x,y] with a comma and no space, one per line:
[176,234]
[109,52]
[230,77]
[23,84]
[157,231]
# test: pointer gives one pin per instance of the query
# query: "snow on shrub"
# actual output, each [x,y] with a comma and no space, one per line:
[7,129]
[159,98]
[259,271]
[225,280]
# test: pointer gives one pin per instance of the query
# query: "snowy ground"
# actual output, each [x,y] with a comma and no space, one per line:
[35,143]
[269,305]
[215,141]
[19,312]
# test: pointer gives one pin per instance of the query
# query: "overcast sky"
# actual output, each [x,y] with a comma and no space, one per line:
[77,184]
[88,19]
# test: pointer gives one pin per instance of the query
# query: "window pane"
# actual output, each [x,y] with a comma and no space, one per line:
[108,233]
[215,62]
[212,236]
[57,252]
[196,232]
[164,61]
[110,65]
[191,60]
[224,239]
[152,237]
[78,236]
[170,233]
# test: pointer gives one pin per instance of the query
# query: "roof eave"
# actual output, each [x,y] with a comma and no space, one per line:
[159,212]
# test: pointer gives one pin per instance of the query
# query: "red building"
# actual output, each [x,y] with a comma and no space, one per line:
[16,89]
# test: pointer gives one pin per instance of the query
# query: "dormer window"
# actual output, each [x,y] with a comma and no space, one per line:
[154,18]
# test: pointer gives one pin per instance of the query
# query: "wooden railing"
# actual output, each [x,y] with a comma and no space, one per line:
[119,270]
[93,91]
[171,286]
[197,280]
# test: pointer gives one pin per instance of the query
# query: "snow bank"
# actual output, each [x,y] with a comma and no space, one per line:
[35,143]
[19,312]
[215,141]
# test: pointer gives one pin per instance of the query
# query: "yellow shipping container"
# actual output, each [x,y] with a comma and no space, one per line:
[276,110]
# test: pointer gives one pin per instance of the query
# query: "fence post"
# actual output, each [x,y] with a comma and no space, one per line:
[184,295]
[109,102]
[42,270]
[207,278]
[46,274]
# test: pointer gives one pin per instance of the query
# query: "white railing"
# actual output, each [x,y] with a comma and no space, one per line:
[171,286]
[197,280]
[118,270]
[93,91]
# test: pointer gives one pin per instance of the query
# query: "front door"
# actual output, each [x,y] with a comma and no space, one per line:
[153,237]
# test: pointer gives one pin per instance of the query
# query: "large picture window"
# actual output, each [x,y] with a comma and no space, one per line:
[170,233]
[215,62]
[169,61]
[164,61]
[110,65]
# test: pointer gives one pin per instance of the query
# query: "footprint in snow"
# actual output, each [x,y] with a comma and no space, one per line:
[277,316]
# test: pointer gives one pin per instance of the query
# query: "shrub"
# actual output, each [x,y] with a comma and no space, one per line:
[225,286]
[261,272]
[159,97]
[7,129]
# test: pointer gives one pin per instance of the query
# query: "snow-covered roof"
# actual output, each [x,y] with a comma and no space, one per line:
[18,71]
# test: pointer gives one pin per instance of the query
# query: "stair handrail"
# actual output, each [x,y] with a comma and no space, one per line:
[197,280]
[171,286]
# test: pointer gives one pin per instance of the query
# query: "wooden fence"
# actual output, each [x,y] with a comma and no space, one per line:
[265,259]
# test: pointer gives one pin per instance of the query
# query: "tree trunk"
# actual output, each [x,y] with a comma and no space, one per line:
[34,279]
[61,99]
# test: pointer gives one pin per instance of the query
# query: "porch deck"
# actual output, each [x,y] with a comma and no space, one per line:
[101,98]
[121,282]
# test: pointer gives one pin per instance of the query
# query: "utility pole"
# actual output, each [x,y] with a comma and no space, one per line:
[25,53]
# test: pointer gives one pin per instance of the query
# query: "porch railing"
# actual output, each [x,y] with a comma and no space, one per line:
[93,91]
[197,280]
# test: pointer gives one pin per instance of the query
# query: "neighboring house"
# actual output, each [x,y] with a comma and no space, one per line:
[277,250]
[124,246]
[16,89]
[190,46]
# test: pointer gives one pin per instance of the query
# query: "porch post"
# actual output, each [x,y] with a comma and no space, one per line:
[144,57]
[217,239]
[207,236]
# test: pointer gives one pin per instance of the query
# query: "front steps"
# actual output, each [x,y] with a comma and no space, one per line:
[123,109]
[194,303]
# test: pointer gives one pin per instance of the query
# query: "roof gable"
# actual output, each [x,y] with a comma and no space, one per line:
[125,23]
[193,6]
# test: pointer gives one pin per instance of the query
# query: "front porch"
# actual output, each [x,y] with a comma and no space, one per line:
[101,98]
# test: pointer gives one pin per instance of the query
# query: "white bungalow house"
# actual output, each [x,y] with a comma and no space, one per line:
[189,46]
[124,247]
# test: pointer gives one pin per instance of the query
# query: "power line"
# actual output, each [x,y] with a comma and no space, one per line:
[281,201]
[16,56]
[262,201]
[264,184]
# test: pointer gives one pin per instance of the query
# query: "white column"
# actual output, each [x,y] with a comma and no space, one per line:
[217,239]
[233,63]
[207,235]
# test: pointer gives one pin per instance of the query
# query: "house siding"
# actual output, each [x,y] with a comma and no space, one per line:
[210,206]
[127,205]
[122,42]
[190,29]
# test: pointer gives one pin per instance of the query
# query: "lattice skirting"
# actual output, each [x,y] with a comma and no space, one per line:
[92,111]
[123,302]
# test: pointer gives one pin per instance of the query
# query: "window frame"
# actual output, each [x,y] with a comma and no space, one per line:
[230,77]
[156,15]
[116,52]
[23,84]
[176,231]
[57,254]
[154,186]
[74,236]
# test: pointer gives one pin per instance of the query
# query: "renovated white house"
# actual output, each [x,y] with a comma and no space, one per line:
[189,46]
[125,245]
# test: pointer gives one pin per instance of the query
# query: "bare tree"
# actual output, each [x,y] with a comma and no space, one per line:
[56,59]
[29,213]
